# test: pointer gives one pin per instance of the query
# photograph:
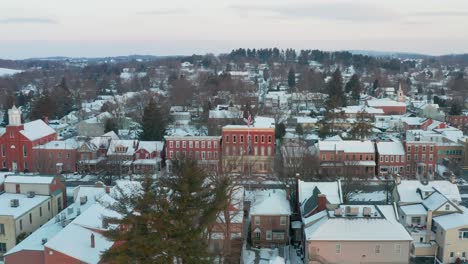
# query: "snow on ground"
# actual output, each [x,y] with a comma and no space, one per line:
[465,196]
[267,256]
[361,196]
[248,256]
[8,72]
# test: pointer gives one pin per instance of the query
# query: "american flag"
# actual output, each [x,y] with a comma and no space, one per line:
[248,120]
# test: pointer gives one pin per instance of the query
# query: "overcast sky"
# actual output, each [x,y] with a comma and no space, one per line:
[94,28]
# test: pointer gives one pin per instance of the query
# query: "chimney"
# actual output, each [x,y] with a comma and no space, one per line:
[397,179]
[92,240]
[288,192]
[428,225]
[46,120]
[107,189]
[322,202]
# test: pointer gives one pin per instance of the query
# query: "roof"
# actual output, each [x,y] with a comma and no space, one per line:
[408,190]
[29,179]
[434,201]
[151,146]
[128,144]
[384,102]
[350,146]
[36,129]
[331,189]
[25,204]
[454,220]
[414,209]
[270,202]
[390,148]
[259,122]
[381,228]
[60,144]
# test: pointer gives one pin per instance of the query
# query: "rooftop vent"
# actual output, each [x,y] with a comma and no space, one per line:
[351,211]
[70,210]
[367,211]
[14,202]
[31,194]
[44,240]
[83,200]
[338,211]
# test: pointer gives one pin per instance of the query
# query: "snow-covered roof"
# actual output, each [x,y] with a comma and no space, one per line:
[36,129]
[7,72]
[357,229]
[414,209]
[60,144]
[390,148]
[270,202]
[29,179]
[350,146]
[128,147]
[434,201]
[151,146]
[259,122]
[408,190]
[332,190]
[453,220]
[25,204]
[355,109]
[384,102]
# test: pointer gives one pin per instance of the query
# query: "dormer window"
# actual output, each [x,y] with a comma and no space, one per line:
[447,207]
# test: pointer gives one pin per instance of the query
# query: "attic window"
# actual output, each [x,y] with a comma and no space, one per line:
[447,207]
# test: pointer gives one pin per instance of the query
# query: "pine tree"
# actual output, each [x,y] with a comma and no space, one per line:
[280,130]
[456,108]
[353,86]
[154,123]
[336,96]
[166,221]
[291,78]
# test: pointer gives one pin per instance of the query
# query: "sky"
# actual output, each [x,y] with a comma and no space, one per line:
[97,28]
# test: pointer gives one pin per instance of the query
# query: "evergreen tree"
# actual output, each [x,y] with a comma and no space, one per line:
[291,78]
[336,96]
[353,86]
[280,130]
[456,108]
[167,219]
[299,130]
[154,123]
[111,125]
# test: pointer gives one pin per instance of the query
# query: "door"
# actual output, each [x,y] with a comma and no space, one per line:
[14,166]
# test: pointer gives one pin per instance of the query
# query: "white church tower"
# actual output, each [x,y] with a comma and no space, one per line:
[401,95]
[14,116]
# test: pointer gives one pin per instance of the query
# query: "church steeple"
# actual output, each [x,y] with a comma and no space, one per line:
[14,116]
[401,95]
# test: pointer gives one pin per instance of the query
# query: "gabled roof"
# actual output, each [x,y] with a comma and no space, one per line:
[151,146]
[270,202]
[331,189]
[311,203]
[29,179]
[454,220]
[390,148]
[36,129]
[408,190]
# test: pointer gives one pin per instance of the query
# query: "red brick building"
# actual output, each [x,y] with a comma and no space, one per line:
[206,150]
[391,158]
[458,121]
[18,140]
[390,107]
[56,157]
[249,148]
[350,157]
[147,157]
[421,159]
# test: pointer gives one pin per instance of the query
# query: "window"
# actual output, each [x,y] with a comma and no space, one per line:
[461,234]
[215,144]
[190,144]
[409,148]
[386,158]
[423,158]
[177,144]
[397,249]
[378,249]
[269,139]
[256,139]
[323,156]
[171,154]
[68,155]
[234,139]
[381,158]
[21,225]
[451,254]
[257,220]
[209,144]
[268,235]
[278,235]
[415,157]
[2,247]
[203,155]
[391,158]
[431,157]
[431,148]
[215,154]
[447,207]
[184,144]
[241,139]
[203,144]
[407,168]
[360,157]
[209,154]
[338,248]
[227,139]
[283,220]
[197,144]
[2,229]
[417,148]
[408,158]
[30,218]
[397,158]
[424,148]
[263,139]
[415,220]
[257,234]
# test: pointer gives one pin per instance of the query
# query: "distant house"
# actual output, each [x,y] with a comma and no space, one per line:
[147,157]
[269,212]
[391,158]
[56,157]
[390,107]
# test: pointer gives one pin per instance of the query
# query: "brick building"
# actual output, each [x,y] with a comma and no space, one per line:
[206,150]
[55,157]
[459,121]
[346,157]
[147,157]
[18,139]
[270,211]
[391,158]
[249,148]
[421,159]
[390,107]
